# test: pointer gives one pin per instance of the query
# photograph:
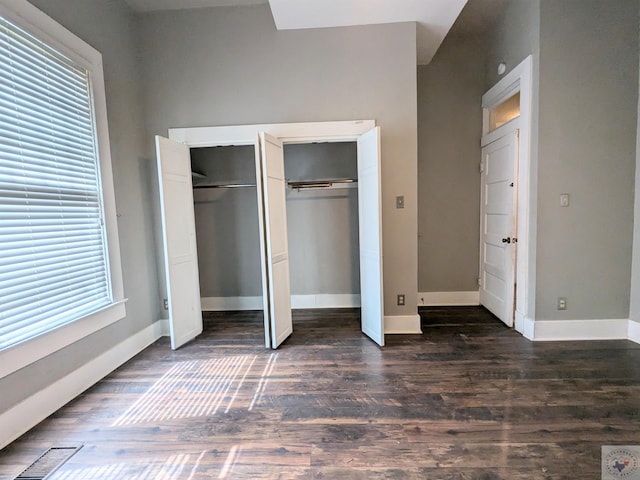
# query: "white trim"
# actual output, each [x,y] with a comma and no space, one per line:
[37,23]
[520,78]
[287,132]
[448,299]
[19,356]
[528,326]
[633,331]
[165,328]
[402,324]
[596,329]
[332,300]
[214,304]
[31,411]
[520,323]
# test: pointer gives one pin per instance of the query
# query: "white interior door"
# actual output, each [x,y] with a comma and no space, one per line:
[370,230]
[498,226]
[276,282]
[179,239]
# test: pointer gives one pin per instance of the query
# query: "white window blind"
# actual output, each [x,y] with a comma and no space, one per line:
[53,253]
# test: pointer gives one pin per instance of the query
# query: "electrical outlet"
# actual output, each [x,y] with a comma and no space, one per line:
[562,303]
[165,304]
[401,299]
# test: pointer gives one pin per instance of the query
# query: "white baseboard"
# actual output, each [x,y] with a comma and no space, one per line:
[528,326]
[165,329]
[402,324]
[605,329]
[221,304]
[633,331]
[448,299]
[331,300]
[213,304]
[31,411]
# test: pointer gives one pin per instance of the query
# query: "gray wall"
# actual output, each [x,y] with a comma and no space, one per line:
[515,36]
[634,313]
[449,131]
[111,28]
[230,66]
[587,137]
[585,57]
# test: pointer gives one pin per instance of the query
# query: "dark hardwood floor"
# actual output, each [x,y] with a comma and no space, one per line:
[468,399]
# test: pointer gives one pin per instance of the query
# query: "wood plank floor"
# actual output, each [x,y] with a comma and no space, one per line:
[468,399]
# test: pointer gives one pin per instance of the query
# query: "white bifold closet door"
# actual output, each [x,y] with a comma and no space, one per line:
[370,230]
[276,287]
[179,241]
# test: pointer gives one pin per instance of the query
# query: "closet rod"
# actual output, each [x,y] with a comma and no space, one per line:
[325,183]
[226,185]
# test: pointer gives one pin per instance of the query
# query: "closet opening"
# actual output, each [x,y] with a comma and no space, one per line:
[322,229]
[221,188]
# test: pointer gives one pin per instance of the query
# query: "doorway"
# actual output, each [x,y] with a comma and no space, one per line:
[507,227]
[270,187]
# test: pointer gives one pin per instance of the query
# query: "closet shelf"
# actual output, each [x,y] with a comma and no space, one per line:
[325,183]
[225,185]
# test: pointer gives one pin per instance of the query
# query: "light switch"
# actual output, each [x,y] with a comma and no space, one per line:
[564,199]
[400,201]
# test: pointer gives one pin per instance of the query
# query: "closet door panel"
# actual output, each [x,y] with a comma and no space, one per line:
[370,227]
[278,291]
[179,241]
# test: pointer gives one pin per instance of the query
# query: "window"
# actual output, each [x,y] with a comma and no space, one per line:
[58,242]
[504,112]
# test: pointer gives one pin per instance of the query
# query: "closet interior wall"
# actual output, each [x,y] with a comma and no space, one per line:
[322,226]
[226,218]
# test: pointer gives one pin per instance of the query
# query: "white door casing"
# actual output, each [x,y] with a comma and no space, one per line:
[498,238]
[276,277]
[179,241]
[520,79]
[370,233]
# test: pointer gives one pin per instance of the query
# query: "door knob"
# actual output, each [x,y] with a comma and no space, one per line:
[506,240]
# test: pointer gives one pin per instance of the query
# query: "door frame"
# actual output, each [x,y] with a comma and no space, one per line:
[309,132]
[520,79]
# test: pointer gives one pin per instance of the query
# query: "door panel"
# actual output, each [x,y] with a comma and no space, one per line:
[278,290]
[179,238]
[370,229]
[498,226]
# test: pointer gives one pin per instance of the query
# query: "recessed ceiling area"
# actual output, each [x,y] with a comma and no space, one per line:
[433,18]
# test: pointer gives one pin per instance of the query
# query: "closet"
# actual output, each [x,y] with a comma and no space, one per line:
[227,233]
[322,225]
[279,222]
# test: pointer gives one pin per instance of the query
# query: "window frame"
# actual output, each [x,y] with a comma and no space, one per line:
[37,23]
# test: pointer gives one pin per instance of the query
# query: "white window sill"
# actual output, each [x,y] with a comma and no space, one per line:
[19,356]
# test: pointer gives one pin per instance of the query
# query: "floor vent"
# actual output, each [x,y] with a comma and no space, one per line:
[47,463]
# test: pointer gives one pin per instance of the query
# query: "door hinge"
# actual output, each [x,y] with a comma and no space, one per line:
[479,280]
[165,303]
[481,168]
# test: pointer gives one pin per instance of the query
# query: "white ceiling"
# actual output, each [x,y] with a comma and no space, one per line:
[434,17]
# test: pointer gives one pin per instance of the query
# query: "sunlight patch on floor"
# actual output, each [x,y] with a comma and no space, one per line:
[190,389]
[169,470]
[264,379]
